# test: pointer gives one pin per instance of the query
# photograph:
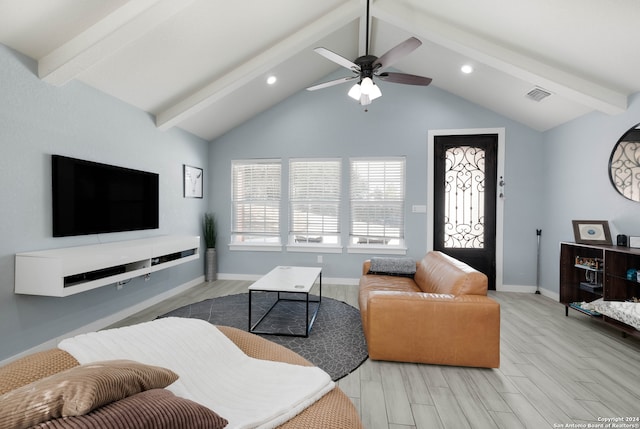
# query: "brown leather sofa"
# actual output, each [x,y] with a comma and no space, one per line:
[440,316]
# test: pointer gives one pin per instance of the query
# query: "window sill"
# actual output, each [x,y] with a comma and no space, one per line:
[255,247]
[313,248]
[379,250]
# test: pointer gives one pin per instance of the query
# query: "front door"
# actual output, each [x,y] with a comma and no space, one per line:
[465,177]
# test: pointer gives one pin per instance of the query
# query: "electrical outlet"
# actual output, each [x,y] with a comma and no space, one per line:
[319,259]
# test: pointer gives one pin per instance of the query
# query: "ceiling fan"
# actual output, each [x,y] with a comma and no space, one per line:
[366,67]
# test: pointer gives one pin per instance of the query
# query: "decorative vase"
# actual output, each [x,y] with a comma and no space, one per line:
[211,269]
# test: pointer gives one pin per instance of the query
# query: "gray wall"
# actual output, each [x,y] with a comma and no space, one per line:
[37,120]
[328,124]
[577,185]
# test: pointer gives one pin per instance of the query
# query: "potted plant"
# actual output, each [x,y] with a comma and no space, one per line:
[210,234]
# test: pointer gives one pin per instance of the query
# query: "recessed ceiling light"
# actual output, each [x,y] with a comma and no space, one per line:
[466,69]
[271,80]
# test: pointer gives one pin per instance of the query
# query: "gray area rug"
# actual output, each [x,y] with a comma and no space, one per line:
[336,342]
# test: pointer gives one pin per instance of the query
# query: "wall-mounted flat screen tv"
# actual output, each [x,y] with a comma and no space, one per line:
[93,198]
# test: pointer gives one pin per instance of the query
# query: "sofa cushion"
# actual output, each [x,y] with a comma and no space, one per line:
[440,273]
[374,282]
[79,390]
[382,282]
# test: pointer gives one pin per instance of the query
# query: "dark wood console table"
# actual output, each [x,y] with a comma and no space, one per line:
[589,272]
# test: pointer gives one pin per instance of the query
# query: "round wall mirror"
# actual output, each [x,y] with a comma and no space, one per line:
[624,165]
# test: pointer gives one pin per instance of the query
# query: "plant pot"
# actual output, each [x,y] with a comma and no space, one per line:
[211,268]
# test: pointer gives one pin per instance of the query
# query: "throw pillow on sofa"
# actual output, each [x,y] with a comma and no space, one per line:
[79,390]
[152,409]
[393,266]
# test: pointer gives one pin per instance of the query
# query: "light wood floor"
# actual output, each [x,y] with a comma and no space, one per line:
[554,371]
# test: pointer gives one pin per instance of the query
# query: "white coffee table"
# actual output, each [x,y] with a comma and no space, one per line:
[295,280]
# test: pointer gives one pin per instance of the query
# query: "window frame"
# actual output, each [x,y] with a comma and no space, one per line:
[397,249]
[274,246]
[314,247]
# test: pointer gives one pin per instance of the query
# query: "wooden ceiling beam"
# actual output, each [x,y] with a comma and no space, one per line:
[258,65]
[124,25]
[514,63]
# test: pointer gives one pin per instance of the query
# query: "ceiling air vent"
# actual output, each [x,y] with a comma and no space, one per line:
[538,94]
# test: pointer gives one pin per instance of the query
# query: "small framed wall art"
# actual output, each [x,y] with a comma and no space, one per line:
[592,232]
[192,181]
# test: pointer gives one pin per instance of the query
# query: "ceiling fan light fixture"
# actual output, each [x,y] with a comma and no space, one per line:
[366,85]
[366,66]
[355,92]
[365,91]
[375,92]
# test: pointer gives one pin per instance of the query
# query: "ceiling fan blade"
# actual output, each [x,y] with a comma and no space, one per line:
[331,83]
[407,79]
[396,53]
[340,60]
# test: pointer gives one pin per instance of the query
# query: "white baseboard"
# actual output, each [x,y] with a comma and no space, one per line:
[553,295]
[516,288]
[109,320]
[529,289]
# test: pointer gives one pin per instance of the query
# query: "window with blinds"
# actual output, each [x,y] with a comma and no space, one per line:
[314,202]
[377,202]
[256,202]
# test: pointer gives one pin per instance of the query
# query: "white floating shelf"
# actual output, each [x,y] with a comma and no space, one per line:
[71,270]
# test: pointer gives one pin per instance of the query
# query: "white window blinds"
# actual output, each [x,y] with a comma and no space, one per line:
[377,201]
[314,201]
[256,202]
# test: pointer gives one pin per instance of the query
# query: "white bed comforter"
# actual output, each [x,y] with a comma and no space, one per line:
[248,392]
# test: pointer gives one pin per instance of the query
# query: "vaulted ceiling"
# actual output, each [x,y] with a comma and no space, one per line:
[202,65]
